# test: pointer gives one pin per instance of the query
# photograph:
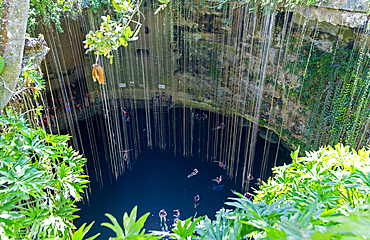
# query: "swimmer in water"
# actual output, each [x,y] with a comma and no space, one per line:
[125,155]
[259,182]
[221,126]
[204,116]
[196,201]
[221,164]
[162,219]
[176,213]
[248,196]
[193,173]
[176,216]
[250,177]
[218,180]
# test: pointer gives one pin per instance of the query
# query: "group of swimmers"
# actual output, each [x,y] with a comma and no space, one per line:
[218,180]
[195,172]
[197,197]
[203,117]
[248,195]
[163,218]
[251,178]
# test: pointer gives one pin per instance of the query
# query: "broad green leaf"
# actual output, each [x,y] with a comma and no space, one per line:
[322,236]
[274,233]
[2,64]
[115,226]
[116,6]
[127,33]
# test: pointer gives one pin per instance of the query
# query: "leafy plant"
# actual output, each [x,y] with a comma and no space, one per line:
[132,229]
[49,11]
[2,64]
[81,232]
[40,178]
[183,230]
[113,34]
[31,79]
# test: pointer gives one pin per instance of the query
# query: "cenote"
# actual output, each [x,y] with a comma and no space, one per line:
[149,91]
[157,179]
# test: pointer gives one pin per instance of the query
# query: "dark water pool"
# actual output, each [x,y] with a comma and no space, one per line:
[159,180]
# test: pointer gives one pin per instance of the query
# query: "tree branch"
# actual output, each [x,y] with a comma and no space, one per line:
[14,17]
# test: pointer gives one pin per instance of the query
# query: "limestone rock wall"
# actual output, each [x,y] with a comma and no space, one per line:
[210,57]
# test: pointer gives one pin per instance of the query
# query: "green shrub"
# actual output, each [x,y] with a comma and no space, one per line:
[41,178]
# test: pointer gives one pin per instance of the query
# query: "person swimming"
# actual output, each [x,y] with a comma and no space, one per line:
[193,173]
[259,182]
[221,126]
[204,116]
[163,219]
[176,213]
[125,115]
[248,196]
[196,200]
[221,164]
[175,222]
[218,179]
[125,155]
[176,216]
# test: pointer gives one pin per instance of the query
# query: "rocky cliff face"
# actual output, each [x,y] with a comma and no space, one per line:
[211,57]
[224,65]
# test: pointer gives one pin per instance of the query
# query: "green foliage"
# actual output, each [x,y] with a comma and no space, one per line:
[333,176]
[50,11]
[81,232]
[183,230]
[334,87]
[132,229]
[99,5]
[31,79]
[109,37]
[2,64]
[322,196]
[226,226]
[41,178]
[113,34]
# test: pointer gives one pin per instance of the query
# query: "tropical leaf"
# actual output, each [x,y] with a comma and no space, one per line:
[116,6]
[132,229]
[81,232]
[2,64]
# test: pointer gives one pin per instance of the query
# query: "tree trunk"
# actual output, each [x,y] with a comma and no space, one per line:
[14,17]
